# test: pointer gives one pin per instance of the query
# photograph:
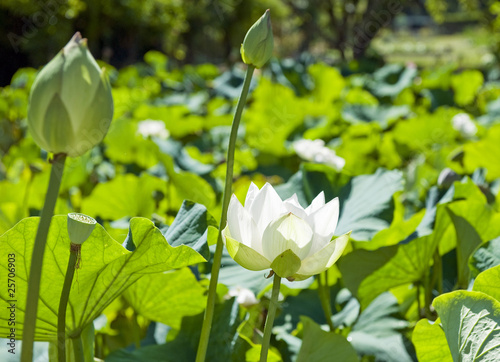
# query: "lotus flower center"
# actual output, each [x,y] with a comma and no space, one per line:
[295,229]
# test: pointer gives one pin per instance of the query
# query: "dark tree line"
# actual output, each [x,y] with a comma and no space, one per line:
[191,31]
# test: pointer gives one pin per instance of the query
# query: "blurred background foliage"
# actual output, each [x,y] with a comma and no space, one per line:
[120,32]
[406,93]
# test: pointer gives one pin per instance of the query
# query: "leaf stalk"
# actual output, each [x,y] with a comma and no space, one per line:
[35,271]
[63,302]
[324,297]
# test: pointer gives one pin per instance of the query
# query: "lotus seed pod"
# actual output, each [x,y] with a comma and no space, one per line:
[258,44]
[80,227]
[70,105]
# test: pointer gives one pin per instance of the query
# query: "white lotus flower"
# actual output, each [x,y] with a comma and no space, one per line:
[464,124]
[294,242]
[152,128]
[316,151]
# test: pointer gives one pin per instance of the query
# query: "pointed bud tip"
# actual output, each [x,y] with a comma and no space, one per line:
[76,40]
[257,47]
[267,15]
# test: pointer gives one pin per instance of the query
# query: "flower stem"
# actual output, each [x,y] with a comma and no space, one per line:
[271,313]
[35,272]
[63,303]
[324,297]
[78,348]
[419,306]
[438,272]
[212,292]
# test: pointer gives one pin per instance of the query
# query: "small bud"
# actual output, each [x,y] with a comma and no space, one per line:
[80,227]
[70,105]
[258,44]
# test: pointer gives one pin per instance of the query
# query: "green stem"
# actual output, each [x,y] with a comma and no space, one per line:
[136,331]
[327,287]
[78,348]
[271,313]
[438,272]
[324,297]
[35,272]
[63,303]
[419,307]
[428,286]
[26,197]
[168,196]
[212,292]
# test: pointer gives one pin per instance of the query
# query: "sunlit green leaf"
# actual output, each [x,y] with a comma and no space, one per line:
[424,133]
[485,257]
[484,153]
[319,345]
[466,85]
[399,230]
[475,223]
[430,342]
[471,323]
[187,185]
[369,273]
[106,270]
[487,282]
[270,120]
[167,297]
[328,82]
[136,149]
[126,195]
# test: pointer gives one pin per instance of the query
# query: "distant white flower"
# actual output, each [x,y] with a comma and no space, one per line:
[268,233]
[488,59]
[152,128]
[464,124]
[316,151]
[244,296]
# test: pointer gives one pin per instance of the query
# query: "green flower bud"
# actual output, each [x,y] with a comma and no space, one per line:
[70,106]
[80,227]
[258,44]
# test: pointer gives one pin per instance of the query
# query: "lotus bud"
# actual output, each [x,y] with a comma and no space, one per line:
[258,44]
[70,105]
[80,227]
